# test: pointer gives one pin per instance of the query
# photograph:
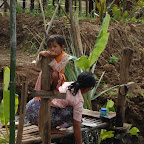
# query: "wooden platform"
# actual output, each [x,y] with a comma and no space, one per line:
[31,132]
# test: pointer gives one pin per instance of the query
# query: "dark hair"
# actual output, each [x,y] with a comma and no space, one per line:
[58,38]
[84,80]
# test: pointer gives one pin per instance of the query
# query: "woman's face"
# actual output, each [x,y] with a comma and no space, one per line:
[85,90]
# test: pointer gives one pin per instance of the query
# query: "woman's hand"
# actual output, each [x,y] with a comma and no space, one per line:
[77,131]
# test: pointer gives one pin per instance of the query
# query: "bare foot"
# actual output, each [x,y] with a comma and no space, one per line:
[57,131]
[56,91]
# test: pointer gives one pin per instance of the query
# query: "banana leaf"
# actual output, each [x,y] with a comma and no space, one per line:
[5,103]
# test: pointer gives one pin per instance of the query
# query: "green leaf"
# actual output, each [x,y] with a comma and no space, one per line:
[1,112]
[70,73]
[5,104]
[104,28]
[16,103]
[124,16]
[92,92]
[116,12]
[110,104]
[98,49]
[134,131]
[107,134]
[6,79]
[83,63]
[99,94]
[6,99]
[126,124]
[72,58]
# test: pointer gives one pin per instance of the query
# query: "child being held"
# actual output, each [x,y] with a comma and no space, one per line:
[59,60]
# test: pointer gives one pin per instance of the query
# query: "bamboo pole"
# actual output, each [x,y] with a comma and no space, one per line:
[12,69]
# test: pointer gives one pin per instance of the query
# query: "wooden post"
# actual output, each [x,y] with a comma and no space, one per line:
[78,35]
[90,5]
[80,6]
[45,104]
[125,64]
[86,7]
[53,3]
[22,111]
[73,29]
[124,70]
[67,6]
[32,5]
[24,3]
[45,3]
[45,107]
[75,4]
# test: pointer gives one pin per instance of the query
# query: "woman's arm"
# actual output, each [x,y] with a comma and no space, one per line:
[77,131]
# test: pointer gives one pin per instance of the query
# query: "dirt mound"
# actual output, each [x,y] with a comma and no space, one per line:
[30,31]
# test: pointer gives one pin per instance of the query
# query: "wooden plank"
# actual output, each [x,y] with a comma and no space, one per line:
[127,88]
[48,94]
[31,132]
[96,114]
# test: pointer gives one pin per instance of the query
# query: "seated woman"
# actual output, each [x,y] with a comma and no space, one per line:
[66,110]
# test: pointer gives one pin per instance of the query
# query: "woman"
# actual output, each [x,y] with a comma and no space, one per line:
[66,110]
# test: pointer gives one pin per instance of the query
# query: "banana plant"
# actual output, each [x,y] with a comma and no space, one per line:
[5,104]
[85,63]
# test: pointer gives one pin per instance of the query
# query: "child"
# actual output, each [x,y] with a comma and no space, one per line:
[66,110]
[58,58]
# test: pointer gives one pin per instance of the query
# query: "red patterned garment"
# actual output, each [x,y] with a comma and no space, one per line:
[58,66]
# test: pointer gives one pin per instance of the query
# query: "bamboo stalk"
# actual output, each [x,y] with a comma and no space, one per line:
[12,69]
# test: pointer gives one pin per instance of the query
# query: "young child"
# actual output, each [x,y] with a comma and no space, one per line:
[65,110]
[58,58]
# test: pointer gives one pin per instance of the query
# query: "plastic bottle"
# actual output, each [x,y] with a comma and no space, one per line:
[103,112]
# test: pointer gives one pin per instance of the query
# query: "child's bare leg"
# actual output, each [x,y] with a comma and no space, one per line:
[55,78]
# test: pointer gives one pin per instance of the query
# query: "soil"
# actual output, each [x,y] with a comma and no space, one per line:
[30,30]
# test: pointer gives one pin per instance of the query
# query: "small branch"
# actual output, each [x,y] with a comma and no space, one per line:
[48,29]
[43,15]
